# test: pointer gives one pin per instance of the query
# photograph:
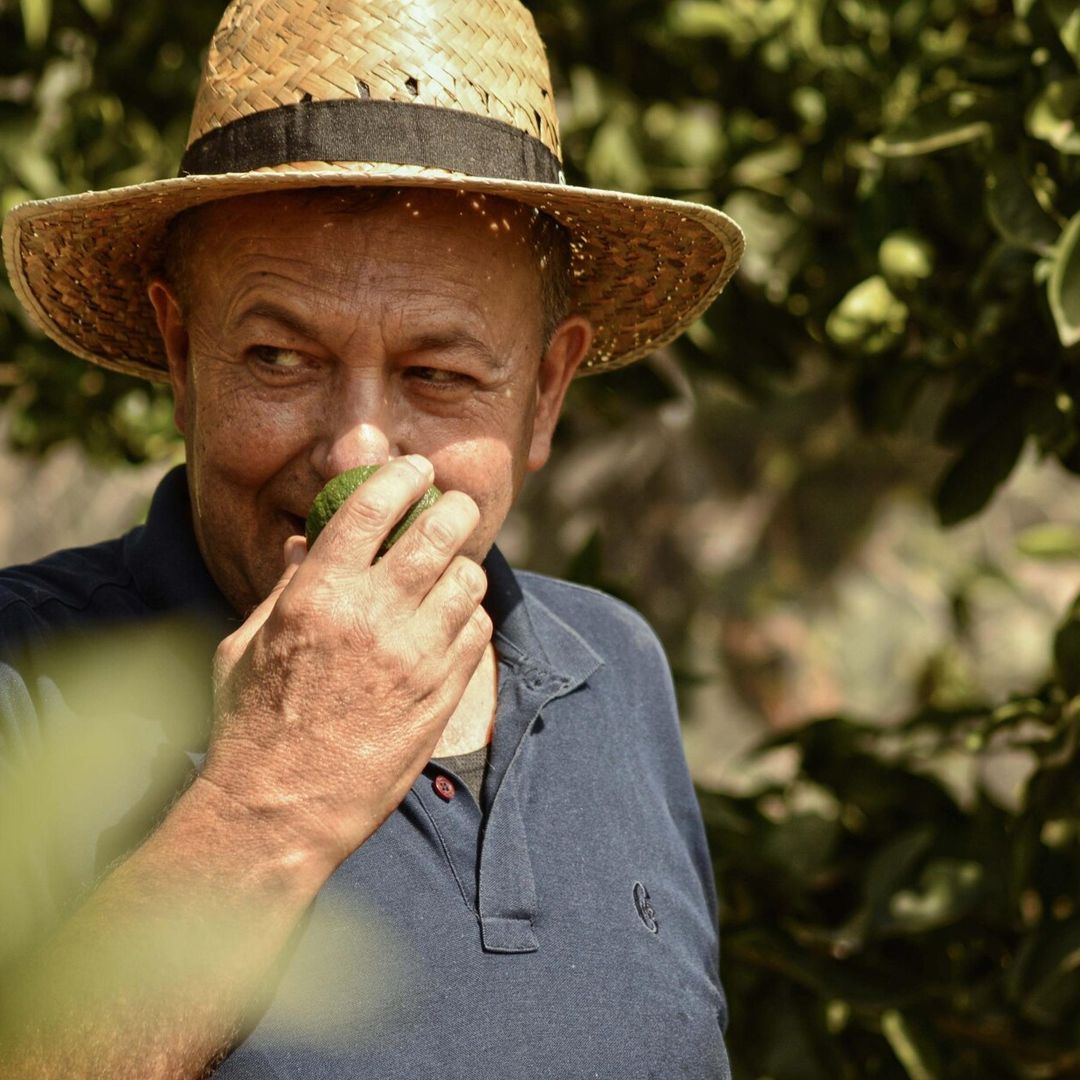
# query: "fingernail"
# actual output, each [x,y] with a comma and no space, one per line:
[295,551]
[421,465]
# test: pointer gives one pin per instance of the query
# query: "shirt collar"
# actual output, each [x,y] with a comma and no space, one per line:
[529,635]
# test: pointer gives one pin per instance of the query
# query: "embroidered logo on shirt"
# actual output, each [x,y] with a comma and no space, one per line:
[644,907]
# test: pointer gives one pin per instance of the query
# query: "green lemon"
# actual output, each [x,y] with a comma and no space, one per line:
[342,486]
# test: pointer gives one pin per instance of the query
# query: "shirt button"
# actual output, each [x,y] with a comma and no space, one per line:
[444,787]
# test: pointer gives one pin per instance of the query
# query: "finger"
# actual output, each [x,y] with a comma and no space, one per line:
[355,533]
[452,604]
[461,658]
[429,545]
[295,551]
[466,652]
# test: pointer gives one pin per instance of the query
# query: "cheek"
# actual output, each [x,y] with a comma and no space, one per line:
[245,439]
[488,470]
[479,447]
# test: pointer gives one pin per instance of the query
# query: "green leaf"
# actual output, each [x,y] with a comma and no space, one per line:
[869,319]
[775,240]
[970,482]
[36,14]
[762,168]
[695,136]
[10,197]
[890,865]
[586,102]
[906,258]
[1070,33]
[1048,972]
[1050,541]
[614,160]
[947,889]
[742,24]
[1065,16]
[99,10]
[37,171]
[801,845]
[939,125]
[1015,211]
[1052,115]
[1063,288]
[703,18]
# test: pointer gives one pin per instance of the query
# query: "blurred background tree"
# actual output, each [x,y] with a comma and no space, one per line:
[845,498]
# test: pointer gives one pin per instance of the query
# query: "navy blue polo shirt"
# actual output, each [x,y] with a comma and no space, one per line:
[565,926]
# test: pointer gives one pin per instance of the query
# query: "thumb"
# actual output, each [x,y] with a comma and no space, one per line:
[295,553]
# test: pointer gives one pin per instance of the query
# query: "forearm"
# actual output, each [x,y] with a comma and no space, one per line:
[153,976]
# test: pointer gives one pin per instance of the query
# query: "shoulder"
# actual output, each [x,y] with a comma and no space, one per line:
[601,653]
[64,590]
[613,629]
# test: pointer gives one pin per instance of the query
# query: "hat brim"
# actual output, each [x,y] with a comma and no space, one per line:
[643,268]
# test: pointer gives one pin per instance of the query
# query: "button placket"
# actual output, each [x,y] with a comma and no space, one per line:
[507,890]
[456,822]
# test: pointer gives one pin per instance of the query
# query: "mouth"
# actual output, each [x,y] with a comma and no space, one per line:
[296,523]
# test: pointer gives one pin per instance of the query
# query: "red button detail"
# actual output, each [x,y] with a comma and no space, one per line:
[444,787]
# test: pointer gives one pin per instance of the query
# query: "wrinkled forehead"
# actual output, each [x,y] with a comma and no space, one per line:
[460,216]
[424,237]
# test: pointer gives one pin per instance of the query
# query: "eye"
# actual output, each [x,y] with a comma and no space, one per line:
[283,359]
[438,378]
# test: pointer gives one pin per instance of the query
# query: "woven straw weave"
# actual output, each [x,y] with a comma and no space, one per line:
[482,58]
[644,268]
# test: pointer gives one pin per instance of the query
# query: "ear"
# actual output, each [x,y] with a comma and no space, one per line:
[561,359]
[174,337]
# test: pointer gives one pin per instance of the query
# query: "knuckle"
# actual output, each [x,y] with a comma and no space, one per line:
[438,532]
[485,621]
[456,609]
[288,611]
[293,620]
[396,660]
[470,577]
[227,654]
[359,620]
[481,625]
[369,511]
[411,469]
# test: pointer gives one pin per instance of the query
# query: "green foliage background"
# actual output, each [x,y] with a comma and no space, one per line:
[908,175]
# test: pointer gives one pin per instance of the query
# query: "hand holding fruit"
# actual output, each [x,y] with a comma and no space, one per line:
[331,697]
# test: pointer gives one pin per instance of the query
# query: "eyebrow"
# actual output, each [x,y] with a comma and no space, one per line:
[431,341]
[266,309]
[436,341]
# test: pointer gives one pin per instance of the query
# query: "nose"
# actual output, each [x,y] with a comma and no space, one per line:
[356,429]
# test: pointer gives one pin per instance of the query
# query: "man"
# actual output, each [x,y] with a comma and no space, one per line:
[439,807]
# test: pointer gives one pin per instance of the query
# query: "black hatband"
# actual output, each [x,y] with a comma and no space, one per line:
[361,129]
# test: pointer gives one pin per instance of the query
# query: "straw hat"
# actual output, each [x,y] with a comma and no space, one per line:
[309,93]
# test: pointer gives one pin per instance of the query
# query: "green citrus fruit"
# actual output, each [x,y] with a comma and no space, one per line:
[342,486]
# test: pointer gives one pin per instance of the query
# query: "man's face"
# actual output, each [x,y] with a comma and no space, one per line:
[318,337]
